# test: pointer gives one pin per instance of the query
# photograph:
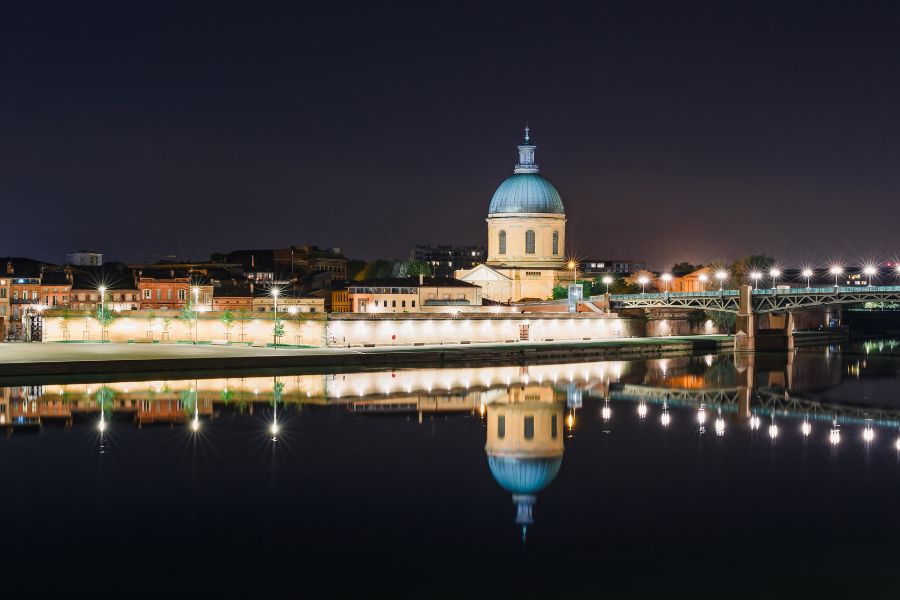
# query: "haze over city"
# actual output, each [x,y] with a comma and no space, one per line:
[672,131]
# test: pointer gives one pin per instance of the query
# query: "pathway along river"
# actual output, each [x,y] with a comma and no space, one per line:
[644,477]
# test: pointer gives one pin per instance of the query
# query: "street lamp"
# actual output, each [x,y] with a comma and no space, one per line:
[808,274]
[275,307]
[703,279]
[667,277]
[643,280]
[755,276]
[196,290]
[836,270]
[870,272]
[774,274]
[608,280]
[721,275]
[102,290]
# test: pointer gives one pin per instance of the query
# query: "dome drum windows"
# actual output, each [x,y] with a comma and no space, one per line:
[555,243]
[529,242]
[502,242]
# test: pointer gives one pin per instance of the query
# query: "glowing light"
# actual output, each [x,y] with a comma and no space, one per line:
[570,420]
[701,415]
[773,431]
[870,270]
[806,429]
[101,426]
[293,310]
[606,413]
[835,436]
[754,423]
[720,426]
[807,273]
[642,410]
[774,273]
[665,419]
[195,424]
[897,444]
[274,429]
[868,434]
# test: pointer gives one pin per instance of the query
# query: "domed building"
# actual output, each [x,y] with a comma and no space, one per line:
[526,237]
[525,445]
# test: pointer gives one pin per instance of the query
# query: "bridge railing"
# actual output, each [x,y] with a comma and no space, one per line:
[846,289]
[659,295]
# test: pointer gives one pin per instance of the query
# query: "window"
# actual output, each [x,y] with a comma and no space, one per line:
[385,303]
[413,303]
[403,304]
[529,428]
[502,243]
[553,426]
[147,294]
[501,427]
[555,242]
[182,294]
[529,242]
[393,304]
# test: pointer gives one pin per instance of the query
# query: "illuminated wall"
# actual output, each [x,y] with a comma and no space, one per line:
[347,330]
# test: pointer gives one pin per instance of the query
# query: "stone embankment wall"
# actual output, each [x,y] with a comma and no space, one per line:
[344,329]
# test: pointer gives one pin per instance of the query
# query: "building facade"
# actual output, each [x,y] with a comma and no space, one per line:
[408,294]
[526,237]
[445,260]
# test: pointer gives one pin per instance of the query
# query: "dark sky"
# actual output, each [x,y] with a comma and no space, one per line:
[674,131]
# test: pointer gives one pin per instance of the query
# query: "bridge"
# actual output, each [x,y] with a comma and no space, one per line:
[749,304]
[762,301]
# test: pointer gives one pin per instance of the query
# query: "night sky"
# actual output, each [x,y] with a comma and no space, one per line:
[674,131]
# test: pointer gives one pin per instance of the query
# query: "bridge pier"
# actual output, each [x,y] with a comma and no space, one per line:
[778,336]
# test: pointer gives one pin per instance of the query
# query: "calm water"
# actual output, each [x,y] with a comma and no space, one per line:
[689,475]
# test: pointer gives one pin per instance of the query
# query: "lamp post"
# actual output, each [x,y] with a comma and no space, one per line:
[608,280]
[667,277]
[102,290]
[721,275]
[275,308]
[774,274]
[704,278]
[643,280]
[755,276]
[196,291]
[836,270]
[808,274]
[870,272]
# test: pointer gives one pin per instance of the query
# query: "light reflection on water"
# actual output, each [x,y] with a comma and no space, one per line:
[531,420]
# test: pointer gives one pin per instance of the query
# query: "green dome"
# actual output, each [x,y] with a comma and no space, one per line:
[526,193]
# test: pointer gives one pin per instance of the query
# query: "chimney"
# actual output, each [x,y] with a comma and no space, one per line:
[421,279]
[9,268]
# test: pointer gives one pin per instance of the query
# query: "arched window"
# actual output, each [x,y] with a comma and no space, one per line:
[502,249]
[555,242]
[529,242]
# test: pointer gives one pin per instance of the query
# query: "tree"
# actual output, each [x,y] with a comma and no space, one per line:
[618,285]
[278,330]
[742,267]
[560,292]
[151,315]
[412,268]
[242,317]
[187,316]
[66,317]
[683,268]
[227,319]
[722,319]
[105,316]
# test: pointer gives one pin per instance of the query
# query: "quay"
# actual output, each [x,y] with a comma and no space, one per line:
[27,362]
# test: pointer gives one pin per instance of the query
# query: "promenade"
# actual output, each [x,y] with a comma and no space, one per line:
[39,361]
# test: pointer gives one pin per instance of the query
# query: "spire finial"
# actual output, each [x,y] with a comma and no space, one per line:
[527,129]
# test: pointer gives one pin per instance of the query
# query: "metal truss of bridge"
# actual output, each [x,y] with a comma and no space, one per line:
[763,301]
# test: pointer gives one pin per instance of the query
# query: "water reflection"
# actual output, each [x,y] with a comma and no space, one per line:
[529,412]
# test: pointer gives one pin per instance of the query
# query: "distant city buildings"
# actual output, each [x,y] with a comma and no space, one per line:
[84,258]
[446,259]
[410,294]
[592,267]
